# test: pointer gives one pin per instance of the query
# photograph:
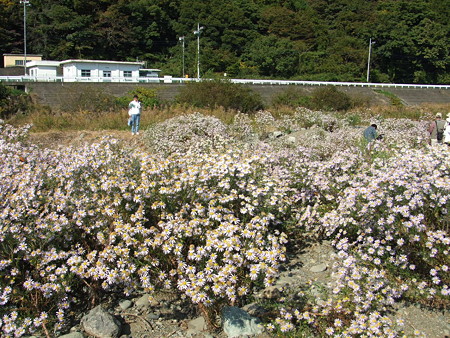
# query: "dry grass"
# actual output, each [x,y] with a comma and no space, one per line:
[420,112]
[117,120]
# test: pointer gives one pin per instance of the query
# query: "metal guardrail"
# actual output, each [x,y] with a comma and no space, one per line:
[170,79]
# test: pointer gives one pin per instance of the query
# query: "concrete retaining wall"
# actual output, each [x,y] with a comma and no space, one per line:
[53,94]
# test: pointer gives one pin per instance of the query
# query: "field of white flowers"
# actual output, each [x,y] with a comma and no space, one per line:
[209,209]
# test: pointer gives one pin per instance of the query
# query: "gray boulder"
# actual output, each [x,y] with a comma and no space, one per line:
[72,335]
[125,304]
[237,322]
[318,268]
[101,324]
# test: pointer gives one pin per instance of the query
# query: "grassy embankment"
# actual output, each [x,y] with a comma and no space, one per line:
[116,120]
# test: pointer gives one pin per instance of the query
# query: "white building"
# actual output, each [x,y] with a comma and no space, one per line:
[100,71]
[42,69]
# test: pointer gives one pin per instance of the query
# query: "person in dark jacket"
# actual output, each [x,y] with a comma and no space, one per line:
[370,133]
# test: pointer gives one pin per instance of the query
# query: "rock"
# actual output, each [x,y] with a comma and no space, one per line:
[318,268]
[271,292]
[74,329]
[277,134]
[101,324]
[146,300]
[236,322]
[152,316]
[143,301]
[125,304]
[285,280]
[72,335]
[291,139]
[254,309]
[197,324]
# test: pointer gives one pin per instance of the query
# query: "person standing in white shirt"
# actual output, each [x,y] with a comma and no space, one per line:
[447,130]
[134,111]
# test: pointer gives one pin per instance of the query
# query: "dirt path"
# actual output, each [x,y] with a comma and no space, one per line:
[55,139]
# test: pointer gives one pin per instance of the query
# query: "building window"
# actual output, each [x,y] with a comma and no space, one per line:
[85,73]
[127,73]
[19,62]
[106,73]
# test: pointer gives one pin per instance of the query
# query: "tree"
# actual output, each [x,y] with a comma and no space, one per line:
[11,27]
[273,56]
[411,47]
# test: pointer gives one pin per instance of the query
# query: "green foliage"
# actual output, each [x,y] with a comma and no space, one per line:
[274,56]
[301,39]
[329,98]
[292,97]
[4,93]
[354,120]
[219,93]
[148,97]
[13,101]
[395,100]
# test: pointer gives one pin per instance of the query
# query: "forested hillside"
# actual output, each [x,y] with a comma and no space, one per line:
[285,39]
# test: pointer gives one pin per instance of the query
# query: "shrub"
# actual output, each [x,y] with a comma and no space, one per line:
[292,97]
[148,97]
[219,93]
[329,98]
[13,101]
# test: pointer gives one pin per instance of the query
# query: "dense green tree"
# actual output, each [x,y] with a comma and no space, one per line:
[304,39]
[11,27]
[411,47]
[273,56]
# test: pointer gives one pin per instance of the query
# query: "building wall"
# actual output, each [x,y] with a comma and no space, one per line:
[42,71]
[97,70]
[54,94]
[9,60]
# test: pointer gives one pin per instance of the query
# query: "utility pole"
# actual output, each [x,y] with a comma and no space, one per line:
[25,4]
[368,60]
[181,38]
[198,32]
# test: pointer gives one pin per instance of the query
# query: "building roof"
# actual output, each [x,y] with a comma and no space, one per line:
[20,54]
[102,61]
[43,63]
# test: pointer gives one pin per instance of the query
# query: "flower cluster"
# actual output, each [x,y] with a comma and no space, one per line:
[388,220]
[208,212]
[206,226]
[185,132]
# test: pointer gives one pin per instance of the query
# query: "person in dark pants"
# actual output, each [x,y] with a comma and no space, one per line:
[135,114]
[436,130]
